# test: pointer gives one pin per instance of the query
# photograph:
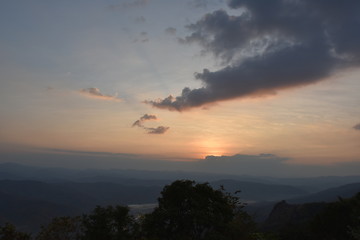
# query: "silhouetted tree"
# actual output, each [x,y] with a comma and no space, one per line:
[62,228]
[9,232]
[339,221]
[188,210]
[108,223]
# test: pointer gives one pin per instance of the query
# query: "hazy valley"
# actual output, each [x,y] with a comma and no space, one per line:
[32,196]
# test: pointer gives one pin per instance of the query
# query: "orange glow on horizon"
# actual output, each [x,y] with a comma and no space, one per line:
[209,147]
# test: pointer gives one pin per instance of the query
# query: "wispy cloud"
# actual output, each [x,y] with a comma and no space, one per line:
[158,130]
[144,118]
[150,130]
[357,126]
[128,4]
[96,94]
[140,19]
[270,46]
[198,3]
[142,38]
[170,31]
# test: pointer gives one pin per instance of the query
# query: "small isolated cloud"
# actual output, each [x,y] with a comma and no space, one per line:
[143,37]
[95,93]
[170,31]
[144,118]
[270,46]
[158,130]
[137,123]
[357,126]
[148,117]
[150,130]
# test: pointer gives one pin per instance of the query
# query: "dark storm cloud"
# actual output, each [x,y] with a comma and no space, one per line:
[269,46]
[357,126]
[150,130]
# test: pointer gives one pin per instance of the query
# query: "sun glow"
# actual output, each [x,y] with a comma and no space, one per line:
[210,147]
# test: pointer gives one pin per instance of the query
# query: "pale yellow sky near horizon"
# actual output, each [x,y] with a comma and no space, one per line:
[48,62]
[298,124]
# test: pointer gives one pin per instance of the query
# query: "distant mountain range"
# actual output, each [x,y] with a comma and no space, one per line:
[35,203]
[254,191]
[261,210]
[32,196]
[14,171]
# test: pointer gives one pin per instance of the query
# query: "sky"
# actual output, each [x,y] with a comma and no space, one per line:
[237,86]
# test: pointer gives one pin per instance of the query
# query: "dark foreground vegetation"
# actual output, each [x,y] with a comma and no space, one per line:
[192,211]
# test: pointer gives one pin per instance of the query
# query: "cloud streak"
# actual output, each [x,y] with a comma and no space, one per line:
[270,46]
[96,94]
[128,4]
[146,117]
[157,130]
[198,3]
[150,130]
[357,126]
[142,38]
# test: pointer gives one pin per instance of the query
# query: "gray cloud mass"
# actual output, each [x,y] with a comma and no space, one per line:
[357,126]
[269,46]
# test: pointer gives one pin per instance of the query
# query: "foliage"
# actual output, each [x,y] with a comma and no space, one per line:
[196,211]
[355,232]
[340,220]
[110,223]
[62,228]
[9,232]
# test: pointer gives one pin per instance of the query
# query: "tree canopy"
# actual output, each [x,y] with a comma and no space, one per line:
[189,210]
[62,228]
[9,232]
[110,223]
